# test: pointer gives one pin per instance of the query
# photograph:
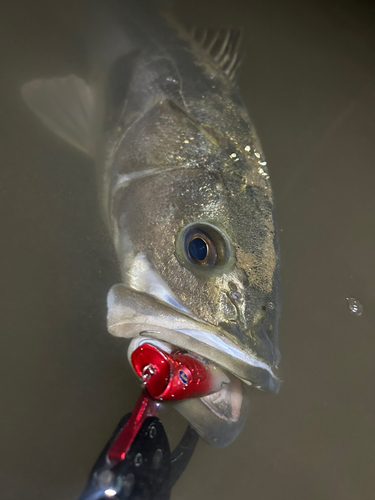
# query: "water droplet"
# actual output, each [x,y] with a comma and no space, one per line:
[138,460]
[152,432]
[105,479]
[263,172]
[158,456]
[271,305]
[247,148]
[233,155]
[354,306]
[127,485]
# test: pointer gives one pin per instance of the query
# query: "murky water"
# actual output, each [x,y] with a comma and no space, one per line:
[308,80]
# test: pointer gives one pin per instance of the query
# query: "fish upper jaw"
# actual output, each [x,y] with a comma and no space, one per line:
[132,313]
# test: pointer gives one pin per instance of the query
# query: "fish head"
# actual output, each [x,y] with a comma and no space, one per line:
[203,241]
[194,230]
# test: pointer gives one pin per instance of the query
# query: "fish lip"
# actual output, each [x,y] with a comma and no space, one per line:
[190,333]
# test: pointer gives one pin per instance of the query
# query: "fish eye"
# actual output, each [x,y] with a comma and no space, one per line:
[198,249]
[204,245]
[201,250]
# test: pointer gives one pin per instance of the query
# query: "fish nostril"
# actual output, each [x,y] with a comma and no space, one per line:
[233,286]
[234,292]
[236,296]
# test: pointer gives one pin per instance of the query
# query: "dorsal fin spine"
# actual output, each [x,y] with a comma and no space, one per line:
[204,37]
[223,47]
[213,41]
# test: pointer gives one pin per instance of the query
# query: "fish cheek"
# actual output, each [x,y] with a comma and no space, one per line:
[179,206]
[158,208]
[151,224]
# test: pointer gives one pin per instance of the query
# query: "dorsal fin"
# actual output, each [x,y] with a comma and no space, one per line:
[222,45]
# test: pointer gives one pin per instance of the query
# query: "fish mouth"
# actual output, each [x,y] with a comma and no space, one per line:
[133,314]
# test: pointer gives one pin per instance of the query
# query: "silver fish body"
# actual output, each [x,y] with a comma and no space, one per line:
[178,160]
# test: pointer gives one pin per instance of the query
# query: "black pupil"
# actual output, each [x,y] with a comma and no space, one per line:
[198,249]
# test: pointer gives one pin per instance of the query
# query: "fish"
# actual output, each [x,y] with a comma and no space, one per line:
[185,194]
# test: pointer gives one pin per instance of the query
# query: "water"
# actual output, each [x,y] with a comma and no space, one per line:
[308,80]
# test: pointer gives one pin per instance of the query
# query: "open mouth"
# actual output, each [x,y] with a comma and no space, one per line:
[144,318]
[132,314]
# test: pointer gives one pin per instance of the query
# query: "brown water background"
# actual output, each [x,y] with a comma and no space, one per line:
[308,81]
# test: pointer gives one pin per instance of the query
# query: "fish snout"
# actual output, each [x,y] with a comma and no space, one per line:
[254,332]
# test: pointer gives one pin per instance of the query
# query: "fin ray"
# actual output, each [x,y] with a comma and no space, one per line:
[64,105]
[222,45]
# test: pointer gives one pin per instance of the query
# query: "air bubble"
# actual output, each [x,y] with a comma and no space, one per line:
[127,485]
[138,460]
[105,479]
[158,456]
[354,306]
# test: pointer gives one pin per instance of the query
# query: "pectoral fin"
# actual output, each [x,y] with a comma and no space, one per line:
[64,105]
